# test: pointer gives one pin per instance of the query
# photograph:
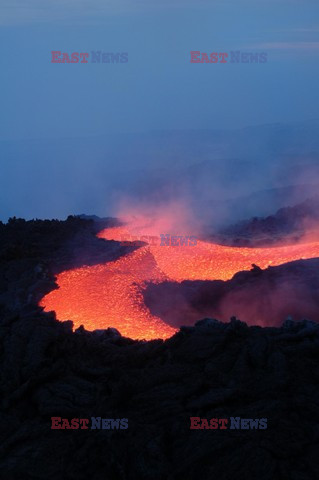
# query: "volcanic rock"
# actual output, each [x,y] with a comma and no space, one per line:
[208,370]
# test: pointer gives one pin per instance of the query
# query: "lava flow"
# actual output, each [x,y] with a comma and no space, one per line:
[110,294]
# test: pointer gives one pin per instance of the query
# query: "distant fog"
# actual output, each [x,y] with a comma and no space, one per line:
[220,176]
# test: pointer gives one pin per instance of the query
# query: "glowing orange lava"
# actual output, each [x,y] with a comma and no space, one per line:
[110,294]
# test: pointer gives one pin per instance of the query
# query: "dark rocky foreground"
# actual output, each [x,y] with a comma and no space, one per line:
[211,370]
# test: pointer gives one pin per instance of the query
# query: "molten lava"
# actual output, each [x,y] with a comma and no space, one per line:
[110,294]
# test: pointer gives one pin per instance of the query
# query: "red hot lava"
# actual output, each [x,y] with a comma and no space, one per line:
[110,294]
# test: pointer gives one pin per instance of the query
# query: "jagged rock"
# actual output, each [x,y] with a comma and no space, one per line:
[207,322]
[256,297]
[286,226]
[108,332]
[210,370]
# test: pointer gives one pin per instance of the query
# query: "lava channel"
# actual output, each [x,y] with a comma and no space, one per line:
[110,294]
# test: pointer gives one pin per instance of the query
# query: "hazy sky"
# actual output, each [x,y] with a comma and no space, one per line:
[158,88]
[91,133]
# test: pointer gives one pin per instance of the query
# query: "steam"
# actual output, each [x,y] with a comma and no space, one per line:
[173,217]
[208,178]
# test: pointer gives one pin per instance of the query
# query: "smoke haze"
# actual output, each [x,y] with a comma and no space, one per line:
[215,177]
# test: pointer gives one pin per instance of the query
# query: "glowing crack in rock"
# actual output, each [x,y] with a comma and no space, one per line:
[110,294]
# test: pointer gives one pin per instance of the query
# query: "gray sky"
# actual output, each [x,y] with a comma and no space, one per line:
[158,88]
